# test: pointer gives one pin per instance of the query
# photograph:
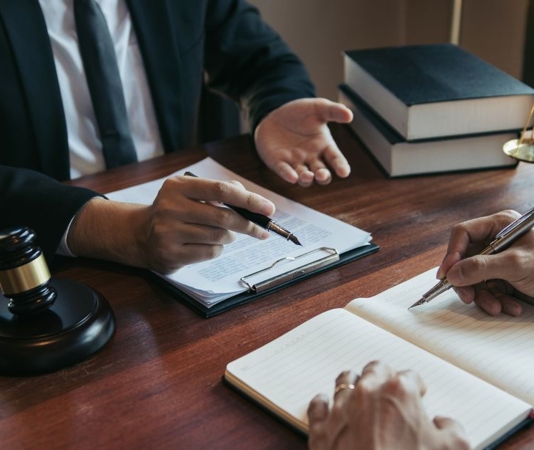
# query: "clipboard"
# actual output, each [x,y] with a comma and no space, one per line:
[267,286]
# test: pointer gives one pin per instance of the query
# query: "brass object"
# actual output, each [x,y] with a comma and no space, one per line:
[522,149]
[25,277]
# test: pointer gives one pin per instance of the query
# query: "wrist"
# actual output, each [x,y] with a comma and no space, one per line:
[109,230]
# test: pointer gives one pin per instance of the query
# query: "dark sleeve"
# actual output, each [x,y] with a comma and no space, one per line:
[248,61]
[28,198]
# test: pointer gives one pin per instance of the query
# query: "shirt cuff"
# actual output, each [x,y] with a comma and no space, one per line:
[63,248]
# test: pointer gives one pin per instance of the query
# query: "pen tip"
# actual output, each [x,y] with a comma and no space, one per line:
[417,303]
[294,239]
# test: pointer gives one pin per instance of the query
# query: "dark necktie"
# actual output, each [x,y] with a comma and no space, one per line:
[103,79]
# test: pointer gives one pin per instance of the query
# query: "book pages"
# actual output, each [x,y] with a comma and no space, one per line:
[289,371]
[497,349]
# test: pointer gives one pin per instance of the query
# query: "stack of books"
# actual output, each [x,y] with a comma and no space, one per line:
[433,108]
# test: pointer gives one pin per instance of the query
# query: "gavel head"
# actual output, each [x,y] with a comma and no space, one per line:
[24,274]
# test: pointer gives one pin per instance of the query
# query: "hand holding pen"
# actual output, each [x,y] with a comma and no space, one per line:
[496,275]
[264,222]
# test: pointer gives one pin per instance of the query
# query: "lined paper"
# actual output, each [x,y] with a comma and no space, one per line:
[291,370]
[497,349]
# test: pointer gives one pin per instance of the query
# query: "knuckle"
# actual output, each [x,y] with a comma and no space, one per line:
[509,214]
[401,385]
[221,216]
[338,411]
[365,387]
[221,236]
[220,189]
[250,201]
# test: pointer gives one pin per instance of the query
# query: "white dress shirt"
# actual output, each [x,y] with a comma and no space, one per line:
[85,148]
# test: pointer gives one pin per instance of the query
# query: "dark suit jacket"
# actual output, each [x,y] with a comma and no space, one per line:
[183,43]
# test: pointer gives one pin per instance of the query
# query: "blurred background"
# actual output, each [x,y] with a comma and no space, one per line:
[318,31]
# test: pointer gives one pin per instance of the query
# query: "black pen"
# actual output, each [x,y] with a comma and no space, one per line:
[261,220]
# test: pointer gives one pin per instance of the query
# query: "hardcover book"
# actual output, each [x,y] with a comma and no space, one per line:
[428,91]
[399,157]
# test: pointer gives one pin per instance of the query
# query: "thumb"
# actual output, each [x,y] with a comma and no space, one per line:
[328,111]
[443,423]
[475,269]
[454,431]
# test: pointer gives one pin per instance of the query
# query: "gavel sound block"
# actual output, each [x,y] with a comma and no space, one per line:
[45,324]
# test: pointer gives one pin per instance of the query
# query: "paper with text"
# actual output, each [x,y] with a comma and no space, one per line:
[289,371]
[497,349]
[215,280]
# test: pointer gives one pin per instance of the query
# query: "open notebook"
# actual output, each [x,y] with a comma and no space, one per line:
[249,267]
[478,369]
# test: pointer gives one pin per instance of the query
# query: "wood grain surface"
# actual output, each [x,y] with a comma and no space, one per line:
[157,384]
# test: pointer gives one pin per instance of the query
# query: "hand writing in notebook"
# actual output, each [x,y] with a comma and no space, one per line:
[379,409]
[494,282]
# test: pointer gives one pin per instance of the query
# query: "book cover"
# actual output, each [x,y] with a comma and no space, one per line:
[427,91]
[399,157]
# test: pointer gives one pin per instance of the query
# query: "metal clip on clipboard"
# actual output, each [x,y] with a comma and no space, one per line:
[331,257]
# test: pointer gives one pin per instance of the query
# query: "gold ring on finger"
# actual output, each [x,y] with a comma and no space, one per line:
[342,386]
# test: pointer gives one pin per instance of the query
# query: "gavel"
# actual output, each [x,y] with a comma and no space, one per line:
[45,324]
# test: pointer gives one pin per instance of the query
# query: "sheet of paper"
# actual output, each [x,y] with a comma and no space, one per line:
[218,279]
[292,369]
[498,349]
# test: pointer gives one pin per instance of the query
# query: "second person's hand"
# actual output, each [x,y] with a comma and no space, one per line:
[494,282]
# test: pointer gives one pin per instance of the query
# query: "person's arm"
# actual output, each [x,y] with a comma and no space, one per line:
[181,227]
[379,409]
[31,199]
[494,282]
[248,61]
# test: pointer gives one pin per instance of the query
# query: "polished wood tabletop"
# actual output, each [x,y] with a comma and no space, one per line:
[157,383]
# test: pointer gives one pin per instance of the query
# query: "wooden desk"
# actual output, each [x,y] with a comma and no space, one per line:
[157,384]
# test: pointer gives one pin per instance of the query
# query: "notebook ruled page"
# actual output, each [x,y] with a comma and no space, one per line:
[292,369]
[498,349]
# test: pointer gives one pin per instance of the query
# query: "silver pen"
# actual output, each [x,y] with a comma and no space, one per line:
[502,240]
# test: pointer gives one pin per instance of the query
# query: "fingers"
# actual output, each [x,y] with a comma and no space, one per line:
[494,300]
[401,384]
[468,238]
[221,191]
[295,142]
[335,159]
[510,265]
[317,419]
[186,199]
[329,111]
[285,171]
[306,168]
[492,297]
[345,383]
[443,423]
[455,436]
[183,226]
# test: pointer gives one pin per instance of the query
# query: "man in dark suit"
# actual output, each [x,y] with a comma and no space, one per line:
[179,45]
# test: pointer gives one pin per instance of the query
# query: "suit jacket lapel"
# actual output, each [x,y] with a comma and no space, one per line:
[26,29]
[155,36]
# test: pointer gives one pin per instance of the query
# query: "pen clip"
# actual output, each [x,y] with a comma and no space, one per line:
[516,223]
[331,256]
